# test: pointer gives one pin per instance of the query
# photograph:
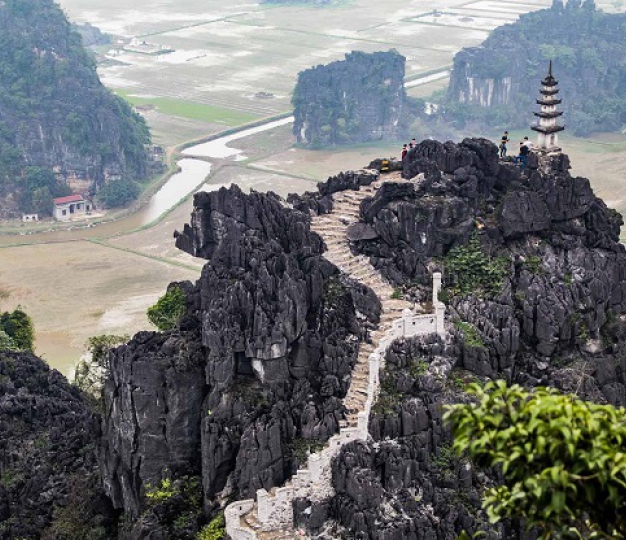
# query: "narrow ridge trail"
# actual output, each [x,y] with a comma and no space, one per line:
[333,228]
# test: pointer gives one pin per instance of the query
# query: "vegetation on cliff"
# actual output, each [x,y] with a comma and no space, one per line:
[359,99]
[54,112]
[16,331]
[496,84]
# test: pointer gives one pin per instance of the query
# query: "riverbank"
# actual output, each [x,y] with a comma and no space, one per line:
[150,189]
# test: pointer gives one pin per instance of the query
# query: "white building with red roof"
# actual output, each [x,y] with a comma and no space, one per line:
[71,207]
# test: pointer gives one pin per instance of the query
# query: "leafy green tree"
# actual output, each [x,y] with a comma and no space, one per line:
[118,193]
[563,460]
[41,186]
[473,271]
[19,327]
[166,313]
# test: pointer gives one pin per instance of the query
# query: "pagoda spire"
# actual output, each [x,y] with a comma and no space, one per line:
[548,127]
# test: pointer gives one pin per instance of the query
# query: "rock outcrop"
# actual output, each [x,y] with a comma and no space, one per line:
[359,99]
[253,376]
[49,482]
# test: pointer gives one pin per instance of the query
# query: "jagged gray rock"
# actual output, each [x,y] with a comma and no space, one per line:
[255,372]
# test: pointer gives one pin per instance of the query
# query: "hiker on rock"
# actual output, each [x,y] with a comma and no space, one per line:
[414,143]
[404,152]
[502,149]
[528,143]
[503,142]
[522,158]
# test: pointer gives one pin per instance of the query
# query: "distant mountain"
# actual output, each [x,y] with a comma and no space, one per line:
[55,114]
[496,84]
[359,99]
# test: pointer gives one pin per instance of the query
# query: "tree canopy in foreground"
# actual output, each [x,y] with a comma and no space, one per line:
[563,460]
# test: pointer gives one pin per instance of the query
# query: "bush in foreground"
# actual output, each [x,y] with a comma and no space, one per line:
[563,460]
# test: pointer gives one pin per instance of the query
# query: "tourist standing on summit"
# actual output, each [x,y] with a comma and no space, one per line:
[523,155]
[502,149]
[404,152]
[503,142]
[528,143]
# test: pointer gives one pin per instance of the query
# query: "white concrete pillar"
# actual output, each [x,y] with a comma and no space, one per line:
[437,278]
[264,510]
[374,374]
[362,421]
[316,468]
[440,319]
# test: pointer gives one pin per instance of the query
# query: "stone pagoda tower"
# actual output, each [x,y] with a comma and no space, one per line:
[548,127]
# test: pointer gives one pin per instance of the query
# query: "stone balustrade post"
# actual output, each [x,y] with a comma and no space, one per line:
[362,425]
[440,319]
[316,467]
[264,509]
[437,279]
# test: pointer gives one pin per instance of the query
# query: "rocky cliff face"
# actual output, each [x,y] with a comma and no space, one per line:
[496,84]
[359,99]
[548,308]
[254,374]
[54,112]
[49,482]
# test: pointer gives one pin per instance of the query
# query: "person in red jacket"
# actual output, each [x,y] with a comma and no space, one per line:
[404,152]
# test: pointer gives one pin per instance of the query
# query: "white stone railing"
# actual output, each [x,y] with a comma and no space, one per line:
[274,510]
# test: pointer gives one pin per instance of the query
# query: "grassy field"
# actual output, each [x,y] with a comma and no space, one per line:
[189,109]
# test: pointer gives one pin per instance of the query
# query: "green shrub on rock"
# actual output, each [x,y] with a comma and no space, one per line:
[563,460]
[18,326]
[166,313]
[473,271]
[216,530]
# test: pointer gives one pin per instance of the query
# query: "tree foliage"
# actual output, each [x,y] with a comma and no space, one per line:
[563,460]
[216,530]
[40,187]
[473,271]
[18,326]
[166,313]
[6,343]
[118,193]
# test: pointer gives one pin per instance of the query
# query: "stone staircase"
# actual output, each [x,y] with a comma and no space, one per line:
[270,515]
[333,228]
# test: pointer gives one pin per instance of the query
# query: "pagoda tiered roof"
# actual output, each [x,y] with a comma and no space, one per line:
[550,80]
[551,114]
[549,101]
[550,92]
[546,130]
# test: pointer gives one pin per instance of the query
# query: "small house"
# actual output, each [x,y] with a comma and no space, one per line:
[70,207]
[30,218]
